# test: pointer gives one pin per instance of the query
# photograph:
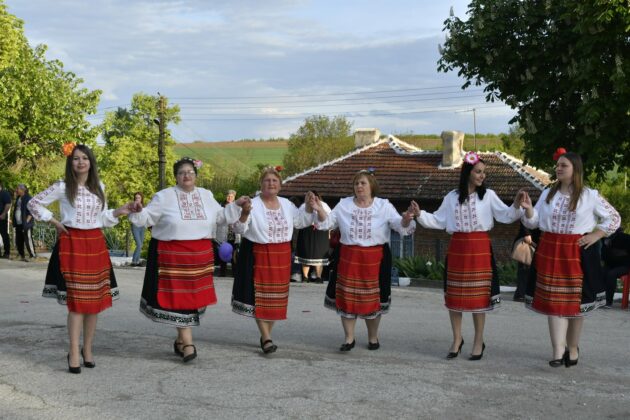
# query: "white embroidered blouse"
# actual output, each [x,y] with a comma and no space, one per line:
[475,215]
[264,226]
[179,215]
[593,211]
[367,226]
[88,212]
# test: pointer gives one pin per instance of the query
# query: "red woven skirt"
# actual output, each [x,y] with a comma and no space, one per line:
[272,271]
[558,275]
[469,273]
[185,278]
[358,290]
[85,265]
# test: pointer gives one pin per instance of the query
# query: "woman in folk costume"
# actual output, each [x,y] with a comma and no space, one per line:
[471,283]
[361,284]
[80,272]
[178,281]
[566,279]
[312,247]
[261,282]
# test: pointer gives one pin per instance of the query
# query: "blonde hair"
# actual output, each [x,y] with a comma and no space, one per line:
[267,171]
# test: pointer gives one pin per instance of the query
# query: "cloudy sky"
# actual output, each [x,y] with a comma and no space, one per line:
[256,68]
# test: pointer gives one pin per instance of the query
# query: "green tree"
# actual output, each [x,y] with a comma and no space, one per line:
[41,104]
[563,65]
[11,36]
[512,142]
[129,159]
[318,140]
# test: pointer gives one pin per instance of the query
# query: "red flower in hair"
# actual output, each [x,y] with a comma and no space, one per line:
[279,168]
[559,152]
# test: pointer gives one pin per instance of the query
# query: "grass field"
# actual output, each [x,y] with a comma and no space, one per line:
[239,158]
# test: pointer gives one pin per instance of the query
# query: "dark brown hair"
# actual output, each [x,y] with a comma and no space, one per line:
[93,183]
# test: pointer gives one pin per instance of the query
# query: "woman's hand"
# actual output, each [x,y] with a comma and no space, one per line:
[243,200]
[526,203]
[590,239]
[407,217]
[130,207]
[59,227]
[414,208]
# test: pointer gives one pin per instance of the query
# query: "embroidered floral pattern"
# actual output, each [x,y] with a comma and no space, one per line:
[88,207]
[277,226]
[361,224]
[562,219]
[466,219]
[191,205]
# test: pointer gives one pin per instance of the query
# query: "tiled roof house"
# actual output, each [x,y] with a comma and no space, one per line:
[405,172]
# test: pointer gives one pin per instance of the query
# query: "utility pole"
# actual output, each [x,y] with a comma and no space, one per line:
[475,127]
[161,138]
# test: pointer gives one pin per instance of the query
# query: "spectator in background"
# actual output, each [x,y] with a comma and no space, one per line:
[226,233]
[616,257]
[137,231]
[296,269]
[23,223]
[530,237]
[312,247]
[5,206]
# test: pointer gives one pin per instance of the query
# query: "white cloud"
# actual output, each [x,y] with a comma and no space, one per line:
[248,48]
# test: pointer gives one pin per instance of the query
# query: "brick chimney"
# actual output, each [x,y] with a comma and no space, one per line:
[365,136]
[452,149]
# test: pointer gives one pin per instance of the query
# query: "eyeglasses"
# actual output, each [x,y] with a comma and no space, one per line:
[189,173]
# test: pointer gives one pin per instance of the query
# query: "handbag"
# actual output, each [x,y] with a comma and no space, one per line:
[523,252]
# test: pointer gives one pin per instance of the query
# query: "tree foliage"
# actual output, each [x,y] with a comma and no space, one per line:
[563,65]
[129,159]
[318,140]
[41,104]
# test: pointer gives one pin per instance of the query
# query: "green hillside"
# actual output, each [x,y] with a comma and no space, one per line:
[237,158]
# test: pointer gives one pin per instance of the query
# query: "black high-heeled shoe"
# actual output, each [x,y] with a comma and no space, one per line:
[454,354]
[176,349]
[374,346]
[347,346]
[86,363]
[73,369]
[478,356]
[559,362]
[192,355]
[568,362]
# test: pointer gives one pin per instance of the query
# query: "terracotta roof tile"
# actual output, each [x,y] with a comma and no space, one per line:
[405,172]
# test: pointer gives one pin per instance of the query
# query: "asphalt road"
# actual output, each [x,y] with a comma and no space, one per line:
[138,377]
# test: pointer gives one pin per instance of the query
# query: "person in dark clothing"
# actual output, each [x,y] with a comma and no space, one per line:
[5,206]
[23,223]
[616,257]
[530,237]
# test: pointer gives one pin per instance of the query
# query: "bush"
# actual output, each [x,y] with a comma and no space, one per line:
[420,266]
[507,272]
[427,267]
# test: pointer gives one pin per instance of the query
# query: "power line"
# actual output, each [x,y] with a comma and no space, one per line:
[312,95]
[446,98]
[268,101]
[347,114]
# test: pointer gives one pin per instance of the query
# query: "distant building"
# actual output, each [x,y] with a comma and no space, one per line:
[405,173]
